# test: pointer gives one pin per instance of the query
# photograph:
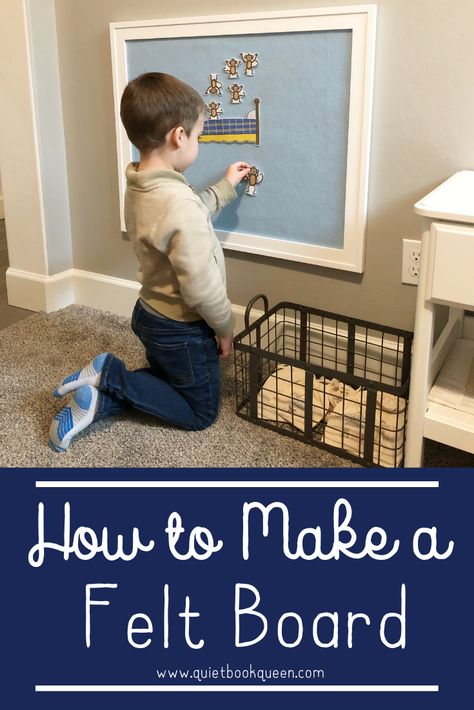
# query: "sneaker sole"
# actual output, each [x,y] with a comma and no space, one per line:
[87,421]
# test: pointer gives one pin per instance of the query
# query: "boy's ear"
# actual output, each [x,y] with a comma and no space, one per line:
[175,136]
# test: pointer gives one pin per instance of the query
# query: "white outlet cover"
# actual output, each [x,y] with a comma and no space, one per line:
[410,264]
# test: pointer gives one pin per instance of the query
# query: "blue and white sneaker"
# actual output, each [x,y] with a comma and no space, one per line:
[73,418]
[89,375]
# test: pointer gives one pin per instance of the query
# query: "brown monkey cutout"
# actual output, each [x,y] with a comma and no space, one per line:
[250,61]
[215,86]
[214,109]
[236,92]
[230,67]
[254,178]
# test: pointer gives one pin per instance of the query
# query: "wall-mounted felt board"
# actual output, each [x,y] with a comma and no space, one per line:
[301,115]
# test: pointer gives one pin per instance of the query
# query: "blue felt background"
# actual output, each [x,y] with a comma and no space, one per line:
[303,81]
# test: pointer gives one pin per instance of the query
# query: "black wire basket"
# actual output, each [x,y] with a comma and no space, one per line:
[328,380]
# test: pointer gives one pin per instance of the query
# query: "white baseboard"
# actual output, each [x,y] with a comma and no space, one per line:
[35,292]
[239,315]
[106,293]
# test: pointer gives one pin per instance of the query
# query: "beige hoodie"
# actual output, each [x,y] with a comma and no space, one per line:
[182,268]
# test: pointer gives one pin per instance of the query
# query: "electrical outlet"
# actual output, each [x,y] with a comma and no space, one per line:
[411,261]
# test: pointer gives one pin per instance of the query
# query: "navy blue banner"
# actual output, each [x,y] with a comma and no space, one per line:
[144,589]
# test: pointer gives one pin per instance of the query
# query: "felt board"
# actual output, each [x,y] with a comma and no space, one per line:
[309,204]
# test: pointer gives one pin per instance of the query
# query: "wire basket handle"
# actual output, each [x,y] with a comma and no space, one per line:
[250,305]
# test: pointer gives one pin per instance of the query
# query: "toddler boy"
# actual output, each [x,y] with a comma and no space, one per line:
[183,305]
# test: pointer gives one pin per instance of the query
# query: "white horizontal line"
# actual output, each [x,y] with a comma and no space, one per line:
[192,688]
[237,484]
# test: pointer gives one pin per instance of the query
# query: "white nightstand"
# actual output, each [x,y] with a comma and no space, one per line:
[441,404]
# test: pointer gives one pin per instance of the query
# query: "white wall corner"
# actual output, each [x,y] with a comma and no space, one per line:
[36,292]
[19,145]
[49,127]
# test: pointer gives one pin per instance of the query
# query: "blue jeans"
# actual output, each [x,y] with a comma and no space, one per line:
[182,383]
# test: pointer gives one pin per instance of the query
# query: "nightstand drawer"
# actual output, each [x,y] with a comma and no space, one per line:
[453,269]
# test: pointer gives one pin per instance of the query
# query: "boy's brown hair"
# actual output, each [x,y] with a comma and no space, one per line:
[153,104]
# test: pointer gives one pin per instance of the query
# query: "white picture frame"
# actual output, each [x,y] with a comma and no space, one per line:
[361,21]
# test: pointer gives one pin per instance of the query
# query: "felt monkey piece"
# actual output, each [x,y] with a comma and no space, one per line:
[230,67]
[215,86]
[236,92]
[250,62]
[214,109]
[254,177]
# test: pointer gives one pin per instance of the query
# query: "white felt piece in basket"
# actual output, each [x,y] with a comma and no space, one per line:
[345,427]
[282,399]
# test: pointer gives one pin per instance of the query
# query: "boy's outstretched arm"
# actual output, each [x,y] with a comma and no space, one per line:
[219,195]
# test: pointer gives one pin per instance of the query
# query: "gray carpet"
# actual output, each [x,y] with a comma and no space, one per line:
[36,353]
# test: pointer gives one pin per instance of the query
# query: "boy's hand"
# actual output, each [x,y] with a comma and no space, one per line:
[237,172]
[225,345]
